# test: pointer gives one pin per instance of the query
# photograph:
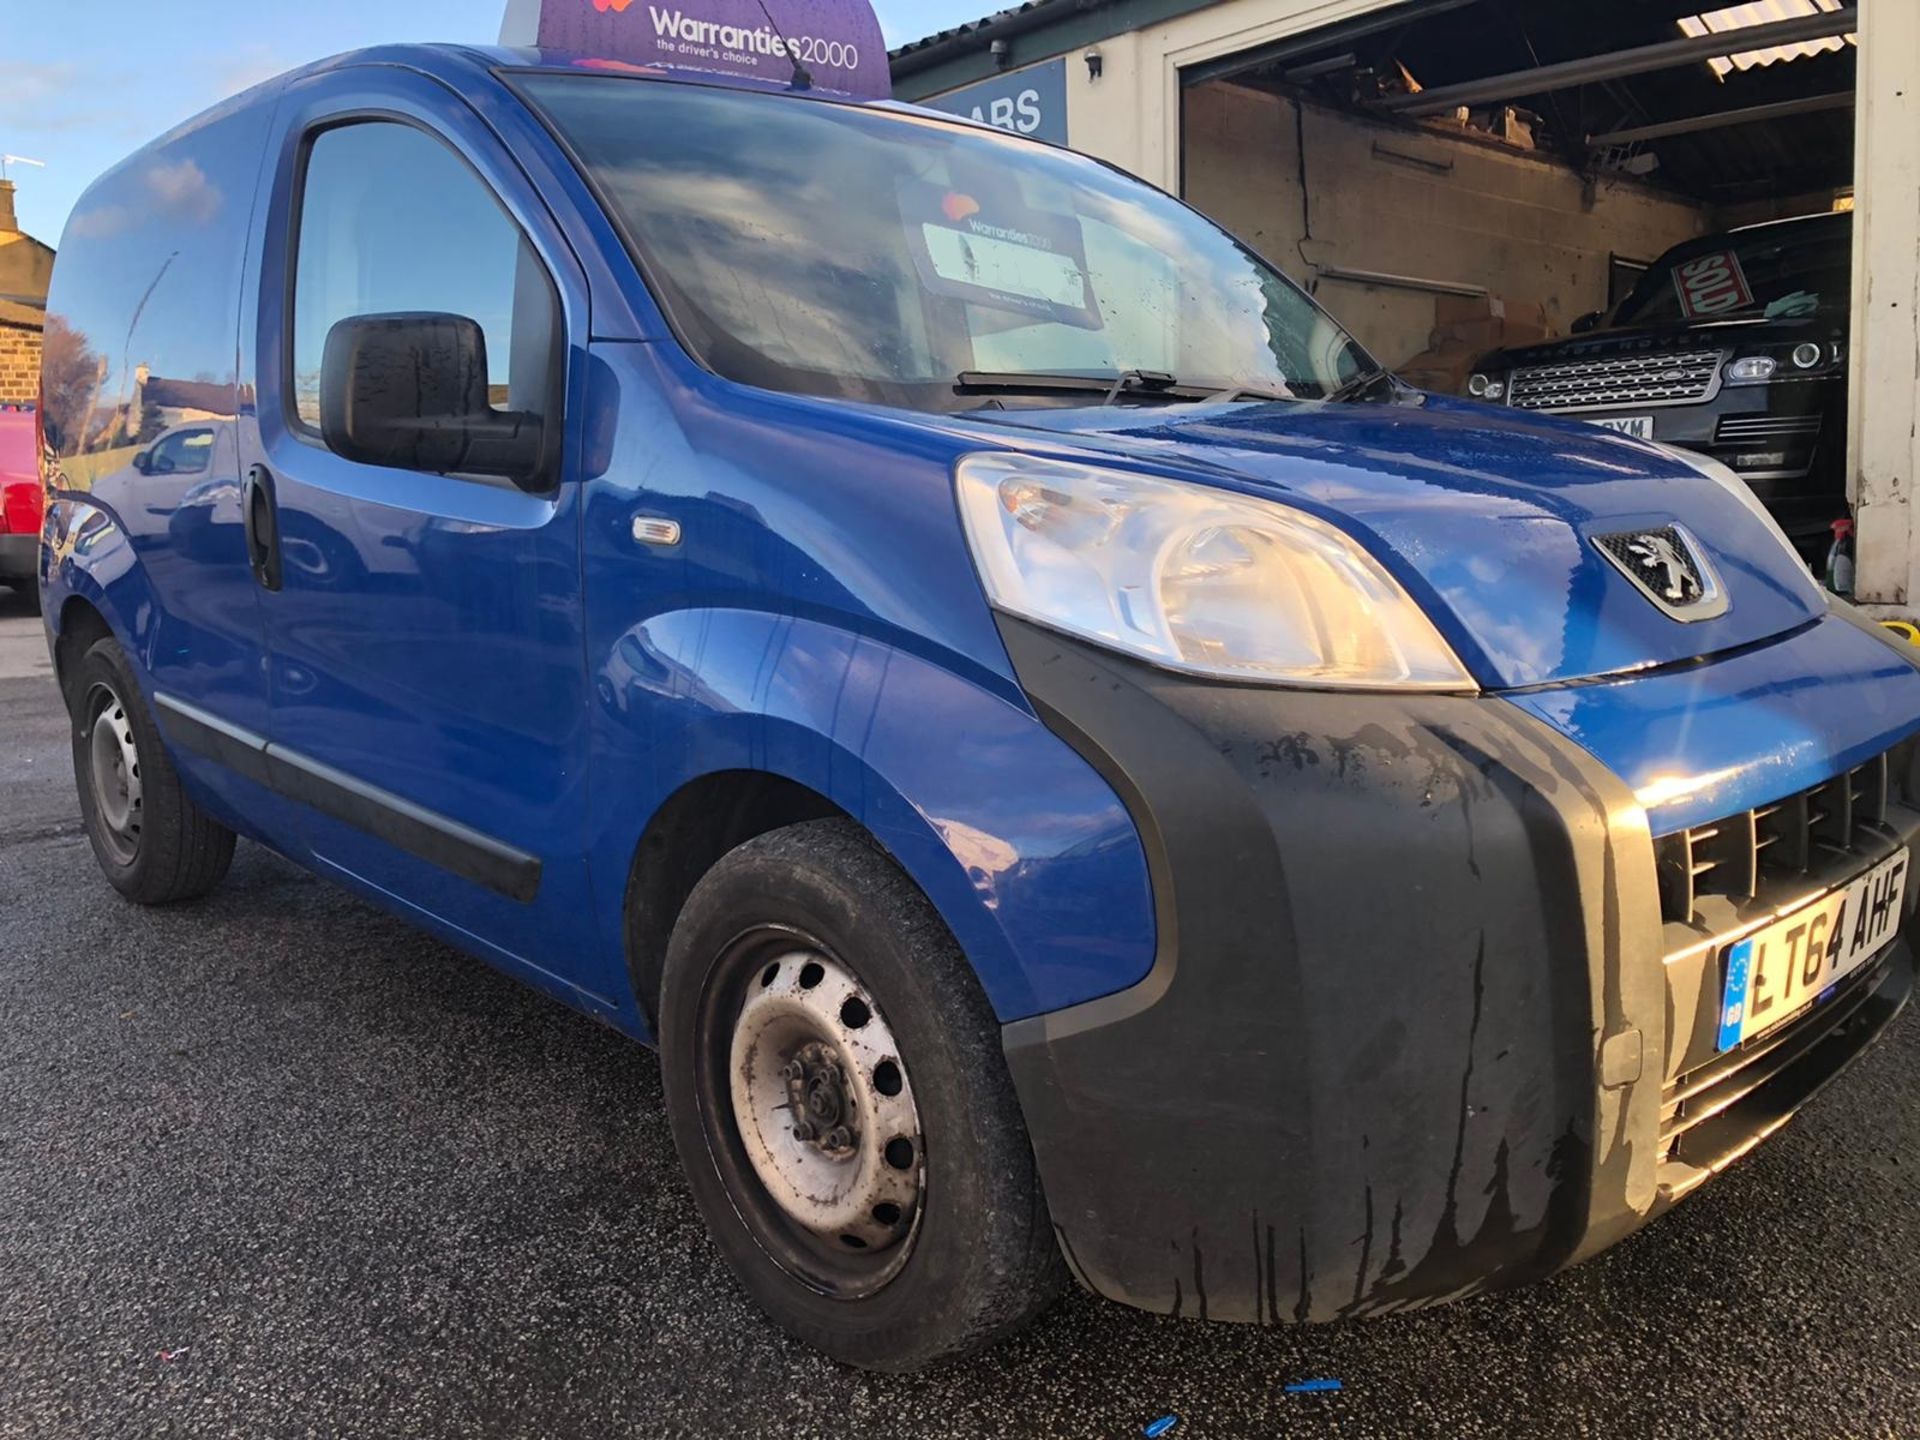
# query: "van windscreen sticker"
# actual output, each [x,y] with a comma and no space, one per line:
[1712,285]
[1032,262]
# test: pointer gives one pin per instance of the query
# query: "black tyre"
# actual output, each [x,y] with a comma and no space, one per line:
[152,842]
[838,1096]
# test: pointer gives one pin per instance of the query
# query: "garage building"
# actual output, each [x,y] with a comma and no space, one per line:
[1452,175]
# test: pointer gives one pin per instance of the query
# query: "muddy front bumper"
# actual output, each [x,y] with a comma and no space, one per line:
[1417,1026]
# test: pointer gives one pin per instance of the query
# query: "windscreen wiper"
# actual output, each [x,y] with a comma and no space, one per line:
[1358,387]
[1042,382]
[1149,384]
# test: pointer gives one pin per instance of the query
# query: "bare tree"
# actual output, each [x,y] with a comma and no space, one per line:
[69,373]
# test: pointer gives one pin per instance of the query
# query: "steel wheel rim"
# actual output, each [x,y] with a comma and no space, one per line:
[814,1114]
[113,774]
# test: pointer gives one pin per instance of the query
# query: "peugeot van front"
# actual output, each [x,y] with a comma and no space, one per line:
[1078,770]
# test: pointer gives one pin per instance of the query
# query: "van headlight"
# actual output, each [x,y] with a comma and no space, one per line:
[1194,578]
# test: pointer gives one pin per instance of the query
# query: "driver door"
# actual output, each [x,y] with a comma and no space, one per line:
[429,696]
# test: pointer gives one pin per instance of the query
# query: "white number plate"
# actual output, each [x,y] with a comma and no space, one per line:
[1775,971]
[1638,426]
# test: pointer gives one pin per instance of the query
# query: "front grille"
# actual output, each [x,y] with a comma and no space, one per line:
[1711,1090]
[1671,379]
[1732,856]
[1748,429]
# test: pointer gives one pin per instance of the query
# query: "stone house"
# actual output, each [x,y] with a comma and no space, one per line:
[26,268]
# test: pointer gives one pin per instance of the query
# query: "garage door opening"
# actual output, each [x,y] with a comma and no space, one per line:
[1636,216]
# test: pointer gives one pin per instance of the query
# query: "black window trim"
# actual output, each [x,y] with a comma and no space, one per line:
[553,420]
[179,433]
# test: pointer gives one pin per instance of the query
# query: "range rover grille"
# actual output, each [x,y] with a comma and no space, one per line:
[1672,379]
[1732,856]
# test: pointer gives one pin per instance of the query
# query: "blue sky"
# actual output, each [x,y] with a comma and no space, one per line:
[81,94]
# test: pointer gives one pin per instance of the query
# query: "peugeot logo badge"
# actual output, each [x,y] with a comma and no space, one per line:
[1668,567]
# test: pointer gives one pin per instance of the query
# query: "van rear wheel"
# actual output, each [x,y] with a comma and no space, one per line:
[838,1096]
[153,843]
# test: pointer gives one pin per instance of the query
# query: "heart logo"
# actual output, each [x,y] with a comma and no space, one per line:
[958,207]
[614,5]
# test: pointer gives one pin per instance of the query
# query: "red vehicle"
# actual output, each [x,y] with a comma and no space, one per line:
[20,497]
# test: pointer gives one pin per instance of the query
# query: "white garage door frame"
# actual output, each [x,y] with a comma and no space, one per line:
[1884,420]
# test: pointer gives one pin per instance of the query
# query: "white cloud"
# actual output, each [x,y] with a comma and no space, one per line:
[180,191]
[247,67]
[51,97]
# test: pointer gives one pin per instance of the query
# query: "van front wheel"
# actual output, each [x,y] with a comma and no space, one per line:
[837,1094]
[153,843]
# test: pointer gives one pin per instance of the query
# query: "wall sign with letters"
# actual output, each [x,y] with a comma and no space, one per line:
[1030,102]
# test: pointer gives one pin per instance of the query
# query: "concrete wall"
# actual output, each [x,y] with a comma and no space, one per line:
[1131,114]
[1385,199]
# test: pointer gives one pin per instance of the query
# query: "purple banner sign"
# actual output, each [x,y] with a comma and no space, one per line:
[838,41]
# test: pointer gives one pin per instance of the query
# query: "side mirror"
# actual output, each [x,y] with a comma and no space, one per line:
[1589,321]
[410,391]
[143,461]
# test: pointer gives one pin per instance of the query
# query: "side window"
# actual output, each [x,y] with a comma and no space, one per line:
[185,452]
[392,220]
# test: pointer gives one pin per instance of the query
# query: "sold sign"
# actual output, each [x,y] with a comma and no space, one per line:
[1712,285]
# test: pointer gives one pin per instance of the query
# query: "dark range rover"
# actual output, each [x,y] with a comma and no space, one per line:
[1733,345]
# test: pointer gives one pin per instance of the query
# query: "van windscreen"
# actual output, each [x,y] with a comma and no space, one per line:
[835,249]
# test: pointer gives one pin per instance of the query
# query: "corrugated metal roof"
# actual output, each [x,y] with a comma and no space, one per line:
[1803,153]
[956,32]
[1734,18]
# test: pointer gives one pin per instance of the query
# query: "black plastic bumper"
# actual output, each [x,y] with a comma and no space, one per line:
[19,558]
[1403,1041]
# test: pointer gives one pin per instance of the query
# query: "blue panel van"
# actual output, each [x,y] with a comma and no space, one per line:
[1078,770]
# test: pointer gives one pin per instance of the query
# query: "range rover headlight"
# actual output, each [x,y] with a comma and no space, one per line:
[1194,579]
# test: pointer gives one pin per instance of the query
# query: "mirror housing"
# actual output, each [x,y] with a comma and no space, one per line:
[1589,322]
[142,462]
[410,391]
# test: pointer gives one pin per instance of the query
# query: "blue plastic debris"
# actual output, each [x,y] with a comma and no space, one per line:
[1312,1387]
[1155,1428]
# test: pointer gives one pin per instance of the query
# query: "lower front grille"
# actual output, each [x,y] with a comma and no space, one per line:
[1713,1116]
[1752,429]
[1716,1087]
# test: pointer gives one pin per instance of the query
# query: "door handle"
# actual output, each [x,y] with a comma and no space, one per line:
[260,516]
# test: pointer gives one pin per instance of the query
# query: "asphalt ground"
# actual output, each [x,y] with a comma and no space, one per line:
[274,1164]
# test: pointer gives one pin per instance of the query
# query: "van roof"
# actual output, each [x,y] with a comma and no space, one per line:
[439,58]
[455,63]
